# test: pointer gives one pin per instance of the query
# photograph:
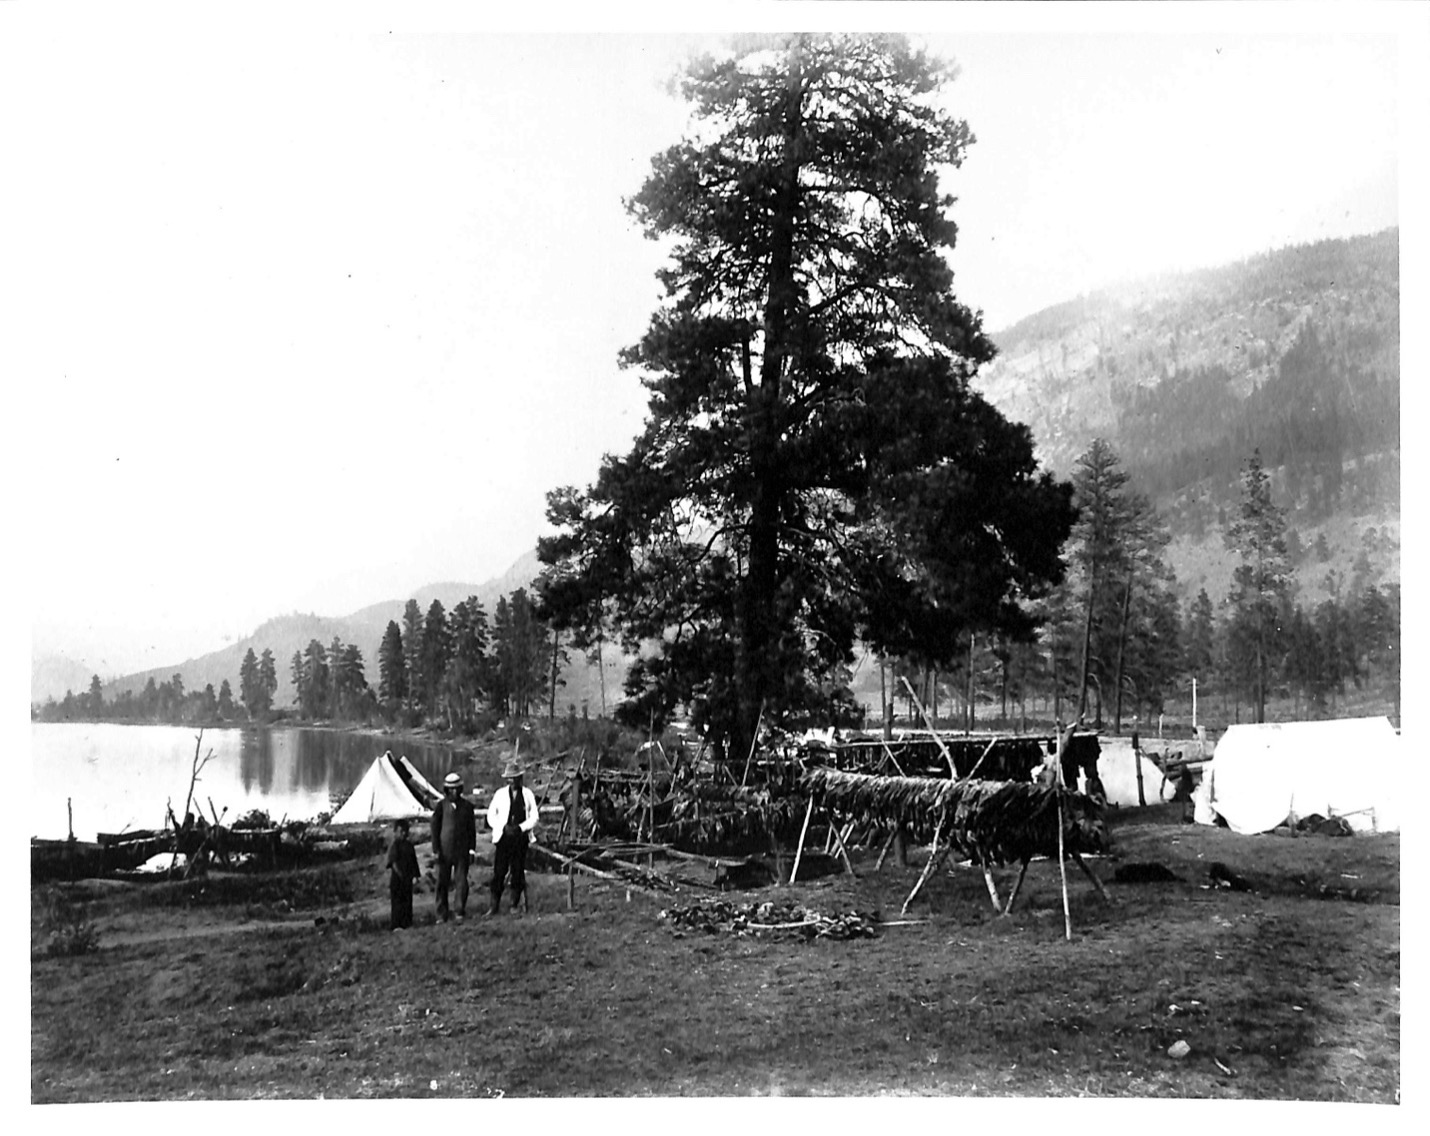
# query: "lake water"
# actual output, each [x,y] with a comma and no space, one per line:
[119,777]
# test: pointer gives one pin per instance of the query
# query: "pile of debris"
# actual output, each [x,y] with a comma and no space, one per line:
[719,916]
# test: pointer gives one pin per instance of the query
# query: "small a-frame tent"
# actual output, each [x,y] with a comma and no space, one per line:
[1263,775]
[391,788]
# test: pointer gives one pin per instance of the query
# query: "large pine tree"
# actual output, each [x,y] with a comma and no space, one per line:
[815,466]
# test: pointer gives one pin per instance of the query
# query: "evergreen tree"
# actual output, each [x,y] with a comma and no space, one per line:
[391,668]
[412,651]
[1198,653]
[1260,583]
[337,689]
[815,466]
[313,690]
[436,651]
[267,682]
[149,699]
[225,701]
[466,670]
[295,675]
[1123,585]
[95,702]
[249,684]
[350,680]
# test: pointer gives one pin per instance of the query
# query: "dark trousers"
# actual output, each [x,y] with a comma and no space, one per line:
[446,869]
[401,902]
[510,857]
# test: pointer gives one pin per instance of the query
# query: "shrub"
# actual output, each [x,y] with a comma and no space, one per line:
[68,929]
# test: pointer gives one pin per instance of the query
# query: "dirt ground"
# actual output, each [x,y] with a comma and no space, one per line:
[291,986]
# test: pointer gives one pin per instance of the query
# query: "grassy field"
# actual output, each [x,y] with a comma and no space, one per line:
[292,987]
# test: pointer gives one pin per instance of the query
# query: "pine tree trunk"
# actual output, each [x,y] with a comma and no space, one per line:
[1086,650]
[1121,651]
[555,660]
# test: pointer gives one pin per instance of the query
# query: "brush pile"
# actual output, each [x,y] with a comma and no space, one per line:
[719,916]
[994,822]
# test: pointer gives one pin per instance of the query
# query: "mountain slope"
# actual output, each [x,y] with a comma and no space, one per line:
[1295,352]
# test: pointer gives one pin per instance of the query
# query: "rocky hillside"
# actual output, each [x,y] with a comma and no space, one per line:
[1296,352]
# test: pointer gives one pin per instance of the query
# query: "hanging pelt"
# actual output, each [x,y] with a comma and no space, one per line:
[997,822]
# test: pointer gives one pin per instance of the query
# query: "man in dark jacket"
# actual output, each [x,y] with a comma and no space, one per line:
[402,870]
[454,839]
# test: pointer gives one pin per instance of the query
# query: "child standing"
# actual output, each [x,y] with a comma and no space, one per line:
[402,870]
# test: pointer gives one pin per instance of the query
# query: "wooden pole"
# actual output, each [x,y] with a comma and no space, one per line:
[754,741]
[952,769]
[979,762]
[843,851]
[890,754]
[1063,738]
[799,851]
[928,867]
[1137,759]
[570,889]
[1016,885]
[69,812]
[1096,883]
[889,843]
[992,887]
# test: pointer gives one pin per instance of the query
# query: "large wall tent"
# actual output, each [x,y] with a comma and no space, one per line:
[1263,775]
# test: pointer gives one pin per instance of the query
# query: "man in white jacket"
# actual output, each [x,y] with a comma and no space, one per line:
[512,815]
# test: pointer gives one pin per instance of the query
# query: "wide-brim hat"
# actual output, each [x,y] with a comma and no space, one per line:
[512,769]
[453,781]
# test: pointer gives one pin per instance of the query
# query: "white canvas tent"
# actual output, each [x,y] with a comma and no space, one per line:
[1117,770]
[391,788]
[1348,767]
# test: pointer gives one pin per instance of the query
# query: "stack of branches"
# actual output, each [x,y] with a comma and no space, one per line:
[721,916]
[994,822]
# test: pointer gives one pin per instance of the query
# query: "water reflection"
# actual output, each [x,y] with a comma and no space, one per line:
[119,777]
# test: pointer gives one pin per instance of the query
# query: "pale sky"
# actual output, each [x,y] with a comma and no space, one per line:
[312,312]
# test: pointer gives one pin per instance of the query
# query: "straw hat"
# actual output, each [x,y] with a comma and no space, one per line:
[513,769]
[453,780]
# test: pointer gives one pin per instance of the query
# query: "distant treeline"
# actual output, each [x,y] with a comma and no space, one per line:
[1114,640]
[452,667]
